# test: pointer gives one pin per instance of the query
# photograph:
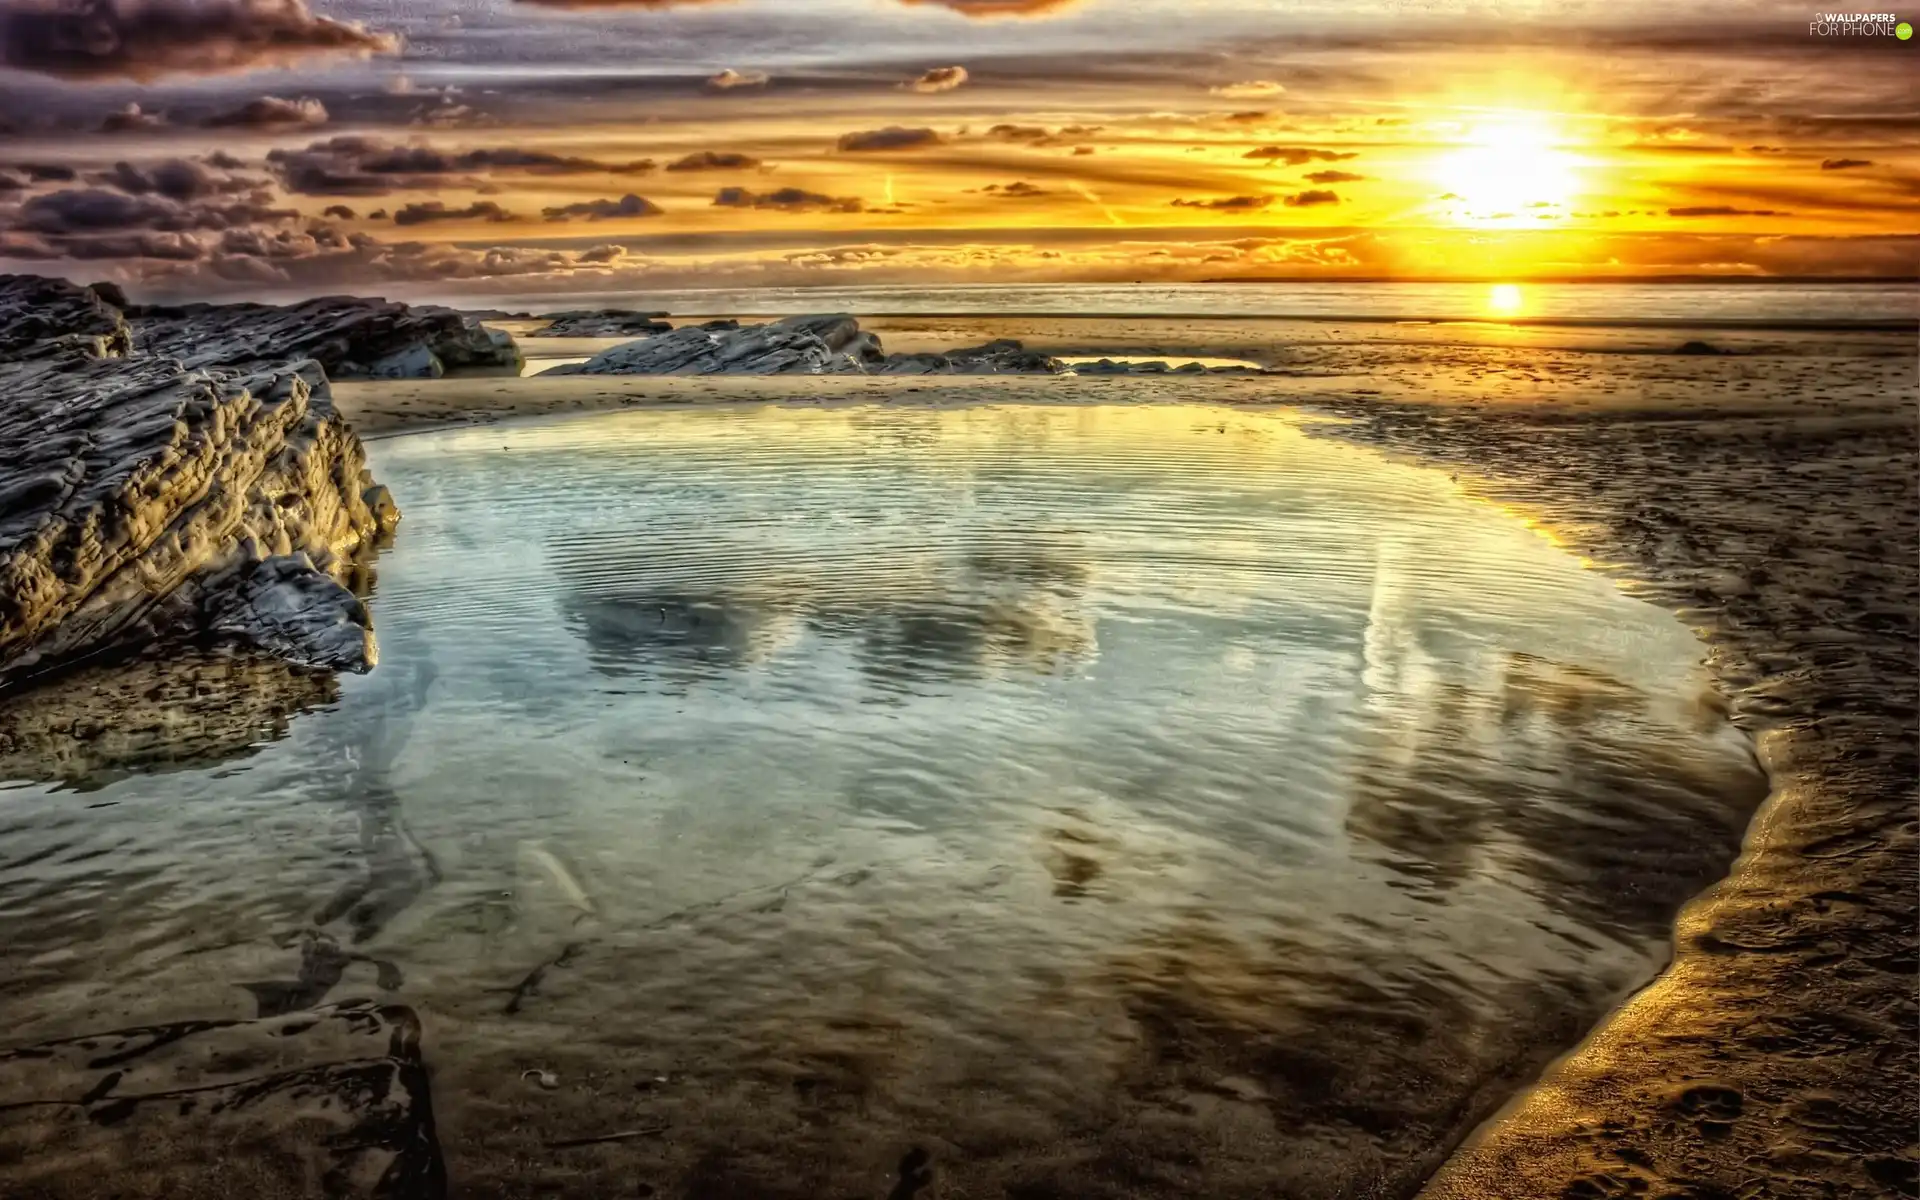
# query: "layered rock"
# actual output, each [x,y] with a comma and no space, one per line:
[142,496]
[602,322]
[351,338]
[51,316]
[831,344]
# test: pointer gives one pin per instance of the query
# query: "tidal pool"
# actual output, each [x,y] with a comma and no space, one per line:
[1036,801]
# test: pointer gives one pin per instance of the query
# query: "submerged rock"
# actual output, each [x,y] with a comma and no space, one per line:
[351,338]
[602,322]
[141,496]
[832,344]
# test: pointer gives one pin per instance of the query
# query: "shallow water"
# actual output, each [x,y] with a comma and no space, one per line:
[1103,800]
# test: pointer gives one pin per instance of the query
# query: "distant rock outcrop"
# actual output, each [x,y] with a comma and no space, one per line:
[831,344]
[351,338]
[602,322]
[140,495]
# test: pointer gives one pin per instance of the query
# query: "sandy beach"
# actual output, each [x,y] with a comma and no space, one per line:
[1765,496]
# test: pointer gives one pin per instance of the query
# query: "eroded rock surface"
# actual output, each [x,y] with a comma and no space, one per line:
[351,338]
[140,495]
[832,344]
[41,317]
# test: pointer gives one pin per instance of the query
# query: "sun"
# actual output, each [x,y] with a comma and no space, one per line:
[1512,170]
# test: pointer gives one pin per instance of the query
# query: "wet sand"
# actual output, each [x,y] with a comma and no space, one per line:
[1769,498]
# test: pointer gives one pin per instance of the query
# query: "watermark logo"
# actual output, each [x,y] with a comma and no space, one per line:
[1858,24]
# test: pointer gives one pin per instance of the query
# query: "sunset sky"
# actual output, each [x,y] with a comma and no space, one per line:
[486,147]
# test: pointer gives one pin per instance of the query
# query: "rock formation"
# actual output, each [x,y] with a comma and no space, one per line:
[350,338]
[142,495]
[812,345]
[602,322]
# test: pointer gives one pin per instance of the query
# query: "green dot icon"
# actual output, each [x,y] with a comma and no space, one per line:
[1903,31]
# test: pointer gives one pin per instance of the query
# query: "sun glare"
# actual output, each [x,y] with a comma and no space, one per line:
[1505,299]
[1511,170]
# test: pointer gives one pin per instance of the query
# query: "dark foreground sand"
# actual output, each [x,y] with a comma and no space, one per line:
[1768,497]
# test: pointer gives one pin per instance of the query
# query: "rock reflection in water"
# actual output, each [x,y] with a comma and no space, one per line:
[170,709]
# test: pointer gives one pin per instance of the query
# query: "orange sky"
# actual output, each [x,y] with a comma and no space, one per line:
[527,147]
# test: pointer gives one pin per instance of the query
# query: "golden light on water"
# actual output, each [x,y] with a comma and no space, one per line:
[1505,299]
[1512,170]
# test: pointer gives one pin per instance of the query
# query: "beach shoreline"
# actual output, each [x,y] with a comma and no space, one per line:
[1782,1032]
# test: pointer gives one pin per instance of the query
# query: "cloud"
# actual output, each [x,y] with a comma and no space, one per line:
[893,137]
[338,211]
[1231,203]
[131,119]
[1723,210]
[1844,164]
[1311,197]
[788,199]
[271,112]
[729,79]
[1249,89]
[938,79]
[370,166]
[628,205]
[107,211]
[1295,156]
[987,9]
[434,210]
[176,179]
[1333,177]
[1018,190]
[714,160]
[41,172]
[142,39]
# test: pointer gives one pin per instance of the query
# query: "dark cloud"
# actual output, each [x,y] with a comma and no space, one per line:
[938,79]
[371,166]
[427,211]
[41,172]
[1018,190]
[141,39]
[786,200]
[131,119]
[102,211]
[272,112]
[714,160]
[1230,204]
[175,179]
[628,205]
[11,182]
[1333,177]
[338,211]
[1295,156]
[1723,210]
[1040,135]
[1311,197]
[893,137]
[1844,164]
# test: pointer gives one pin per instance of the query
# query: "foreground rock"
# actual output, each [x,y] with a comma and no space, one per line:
[350,338]
[140,496]
[602,322]
[810,345]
